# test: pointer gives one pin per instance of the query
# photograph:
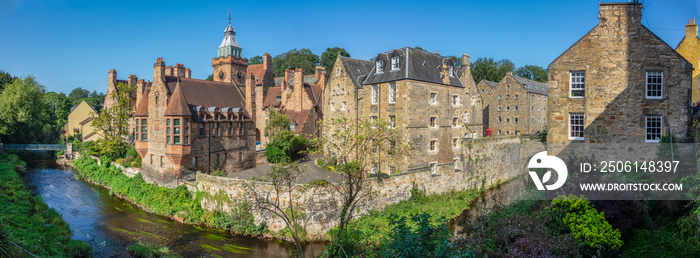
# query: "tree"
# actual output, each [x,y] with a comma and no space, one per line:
[5,79]
[488,69]
[277,123]
[456,61]
[255,60]
[355,146]
[114,122]
[59,105]
[284,145]
[210,77]
[280,200]
[78,94]
[532,72]
[24,115]
[328,57]
[302,58]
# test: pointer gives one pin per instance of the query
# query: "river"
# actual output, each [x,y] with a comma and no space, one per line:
[111,224]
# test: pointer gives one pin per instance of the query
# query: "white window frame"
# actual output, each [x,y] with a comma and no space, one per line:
[392,93]
[432,146]
[577,78]
[466,117]
[392,170]
[433,98]
[332,106]
[582,125]
[430,122]
[392,121]
[345,105]
[660,75]
[455,143]
[395,63]
[660,128]
[375,94]
[432,167]
[380,66]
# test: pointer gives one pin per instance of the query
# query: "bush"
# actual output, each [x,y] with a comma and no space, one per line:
[78,249]
[425,240]
[320,162]
[319,182]
[275,154]
[587,225]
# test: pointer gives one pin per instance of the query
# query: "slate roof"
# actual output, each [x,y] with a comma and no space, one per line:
[490,83]
[357,69]
[532,86]
[414,64]
[205,93]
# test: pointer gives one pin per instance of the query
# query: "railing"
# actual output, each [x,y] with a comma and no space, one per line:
[55,147]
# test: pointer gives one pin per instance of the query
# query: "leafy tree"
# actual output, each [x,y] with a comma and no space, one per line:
[420,48]
[425,240]
[532,72]
[78,94]
[488,69]
[328,57]
[284,144]
[5,79]
[281,201]
[210,77]
[114,123]
[24,116]
[356,145]
[59,105]
[302,58]
[456,60]
[255,60]
[277,123]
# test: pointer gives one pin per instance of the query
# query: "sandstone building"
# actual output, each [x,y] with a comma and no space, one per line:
[689,48]
[419,92]
[515,105]
[619,83]
[80,122]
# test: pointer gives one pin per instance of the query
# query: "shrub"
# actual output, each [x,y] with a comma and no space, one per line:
[320,162]
[275,154]
[587,225]
[425,240]
[319,182]
[219,172]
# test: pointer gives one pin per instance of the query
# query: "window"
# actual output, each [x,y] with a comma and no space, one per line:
[292,126]
[374,168]
[345,105]
[517,132]
[539,120]
[375,92]
[201,129]
[151,159]
[240,128]
[156,100]
[499,96]
[342,91]
[433,98]
[144,129]
[507,132]
[575,126]
[392,92]
[455,100]
[167,139]
[395,63]
[162,161]
[466,117]
[392,170]
[455,122]
[508,108]
[539,109]
[516,96]
[516,108]
[452,73]
[216,160]
[337,71]
[507,120]
[392,121]
[455,162]
[240,156]
[176,139]
[433,145]
[515,120]
[507,87]
[653,133]
[455,143]
[578,84]
[216,129]
[499,120]
[655,82]
[229,128]
[433,122]
[380,66]
[499,131]
[332,106]
[499,108]
[194,162]
[433,168]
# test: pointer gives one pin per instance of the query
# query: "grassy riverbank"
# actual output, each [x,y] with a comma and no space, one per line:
[26,221]
[165,201]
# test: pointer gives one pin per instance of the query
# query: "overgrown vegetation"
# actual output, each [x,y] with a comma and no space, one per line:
[139,250]
[162,200]
[28,222]
[284,145]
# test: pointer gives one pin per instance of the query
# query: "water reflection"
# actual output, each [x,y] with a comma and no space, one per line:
[110,224]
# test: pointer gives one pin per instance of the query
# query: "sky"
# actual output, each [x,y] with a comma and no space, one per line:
[69,44]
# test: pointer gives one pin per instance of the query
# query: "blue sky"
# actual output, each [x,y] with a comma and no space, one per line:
[69,44]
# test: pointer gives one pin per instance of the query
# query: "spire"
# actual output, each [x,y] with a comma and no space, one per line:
[229,46]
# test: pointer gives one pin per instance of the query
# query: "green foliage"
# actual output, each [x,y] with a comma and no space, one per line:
[114,122]
[24,115]
[320,162]
[532,72]
[542,135]
[328,57]
[93,99]
[285,146]
[255,60]
[275,154]
[218,172]
[210,77]
[28,222]
[319,182]
[416,193]
[139,250]
[587,225]
[278,122]
[5,79]
[666,144]
[488,69]
[302,58]
[426,240]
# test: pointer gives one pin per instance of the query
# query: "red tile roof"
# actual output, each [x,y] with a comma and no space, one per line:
[271,97]
[257,70]
[299,118]
[142,106]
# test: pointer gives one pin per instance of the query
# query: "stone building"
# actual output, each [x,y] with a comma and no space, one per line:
[516,106]
[689,48]
[416,91]
[484,87]
[80,123]
[619,83]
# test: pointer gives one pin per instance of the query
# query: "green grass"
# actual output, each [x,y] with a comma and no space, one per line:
[28,222]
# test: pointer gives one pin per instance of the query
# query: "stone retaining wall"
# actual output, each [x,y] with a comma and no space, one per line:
[487,162]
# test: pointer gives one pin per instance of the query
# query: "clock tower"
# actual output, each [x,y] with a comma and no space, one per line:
[229,66]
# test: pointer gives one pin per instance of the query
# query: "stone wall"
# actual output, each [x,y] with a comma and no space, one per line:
[487,161]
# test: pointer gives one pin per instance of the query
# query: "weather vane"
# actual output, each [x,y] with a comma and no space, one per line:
[229,16]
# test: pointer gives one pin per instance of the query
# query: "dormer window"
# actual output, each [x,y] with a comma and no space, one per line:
[292,126]
[395,63]
[452,73]
[380,66]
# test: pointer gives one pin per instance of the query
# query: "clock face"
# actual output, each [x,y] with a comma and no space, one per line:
[221,74]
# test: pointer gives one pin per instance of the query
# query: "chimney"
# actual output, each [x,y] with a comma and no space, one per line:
[132,79]
[188,73]
[179,70]
[509,73]
[445,74]
[159,70]
[691,30]
[249,88]
[140,84]
[298,89]
[267,62]
[112,77]
[626,13]
[168,71]
[289,76]
[317,73]
[465,60]
[322,81]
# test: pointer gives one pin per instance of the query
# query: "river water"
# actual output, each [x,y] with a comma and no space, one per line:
[111,224]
